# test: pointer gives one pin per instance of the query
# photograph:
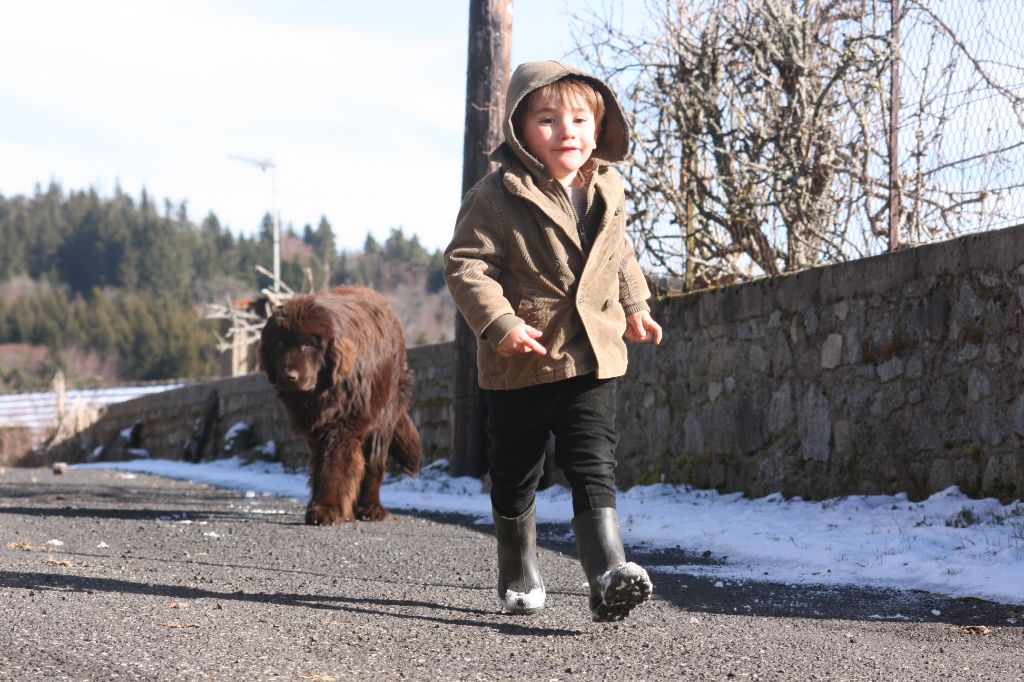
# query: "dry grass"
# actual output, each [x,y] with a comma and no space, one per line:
[25,546]
[975,629]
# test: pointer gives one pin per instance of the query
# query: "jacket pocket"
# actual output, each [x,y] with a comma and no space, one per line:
[536,310]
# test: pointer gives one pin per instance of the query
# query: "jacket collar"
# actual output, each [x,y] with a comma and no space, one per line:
[548,196]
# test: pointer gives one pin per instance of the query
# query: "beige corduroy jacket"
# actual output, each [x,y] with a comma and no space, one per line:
[516,256]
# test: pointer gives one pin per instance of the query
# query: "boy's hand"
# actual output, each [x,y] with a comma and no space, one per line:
[642,327]
[521,340]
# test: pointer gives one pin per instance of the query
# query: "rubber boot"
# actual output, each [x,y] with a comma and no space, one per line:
[520,588]
[616,586]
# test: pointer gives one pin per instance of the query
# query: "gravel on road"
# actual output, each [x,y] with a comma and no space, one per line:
[107,575]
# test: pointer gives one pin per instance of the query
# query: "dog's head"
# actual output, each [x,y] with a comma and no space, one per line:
[301,348]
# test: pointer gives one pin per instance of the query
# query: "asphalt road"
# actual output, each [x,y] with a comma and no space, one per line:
[168,580]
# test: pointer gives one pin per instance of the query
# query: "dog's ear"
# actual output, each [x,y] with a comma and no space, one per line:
[263,350]
[341,356]
[263,362]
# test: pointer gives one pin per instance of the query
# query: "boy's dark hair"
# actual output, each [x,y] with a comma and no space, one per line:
[563,89]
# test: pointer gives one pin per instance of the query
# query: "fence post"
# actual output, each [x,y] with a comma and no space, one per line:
[894,123]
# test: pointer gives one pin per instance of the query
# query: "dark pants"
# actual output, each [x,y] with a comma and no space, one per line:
[580,412]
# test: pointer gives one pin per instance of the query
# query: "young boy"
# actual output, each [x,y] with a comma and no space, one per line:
[541,269]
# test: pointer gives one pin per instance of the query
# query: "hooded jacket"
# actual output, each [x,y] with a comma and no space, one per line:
[517,257]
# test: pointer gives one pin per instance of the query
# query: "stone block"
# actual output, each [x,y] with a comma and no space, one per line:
[977,385]
[942,258]
[992,425]
[811,320]
[887,371]
[914,367]
[1018,415]
[918,288]
[854,351]
[796,291]
[886,400]
[845,449]
[780,410]
[832,351]
[881,275]
[998,250]
[757,359]
[939,397]
[745,301]
[714,390]
[749,423]
[814,425]
[693,439]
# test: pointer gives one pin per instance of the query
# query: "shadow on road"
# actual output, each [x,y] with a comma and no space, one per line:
[704,594]
[393,608]
[686,591]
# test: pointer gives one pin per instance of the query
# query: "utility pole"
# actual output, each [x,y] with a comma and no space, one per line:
[487,74]
[265,165]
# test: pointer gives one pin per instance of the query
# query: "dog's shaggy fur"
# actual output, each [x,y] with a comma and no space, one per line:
[337,360]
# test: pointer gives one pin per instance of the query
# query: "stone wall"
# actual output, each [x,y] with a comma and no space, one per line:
[170,419]
[16,446]
[897,373]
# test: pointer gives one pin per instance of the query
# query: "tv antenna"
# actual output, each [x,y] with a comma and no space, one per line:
[264,165]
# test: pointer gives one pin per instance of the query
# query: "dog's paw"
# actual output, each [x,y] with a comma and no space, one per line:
[371,513]
[318,515]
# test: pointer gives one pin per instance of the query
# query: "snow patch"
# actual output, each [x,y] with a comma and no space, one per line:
[947,544]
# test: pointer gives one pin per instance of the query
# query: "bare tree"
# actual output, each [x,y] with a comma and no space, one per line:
[760,140]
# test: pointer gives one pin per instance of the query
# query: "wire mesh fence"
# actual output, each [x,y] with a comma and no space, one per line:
[773,135]
[961,116]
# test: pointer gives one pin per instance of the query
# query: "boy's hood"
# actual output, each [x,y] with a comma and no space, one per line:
[612,141]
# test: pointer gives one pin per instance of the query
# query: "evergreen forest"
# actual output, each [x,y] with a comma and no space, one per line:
[111,290]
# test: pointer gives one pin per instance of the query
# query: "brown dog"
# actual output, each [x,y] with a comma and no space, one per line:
[337,360]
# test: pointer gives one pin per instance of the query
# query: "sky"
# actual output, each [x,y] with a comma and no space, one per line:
[948,544]
[360,105]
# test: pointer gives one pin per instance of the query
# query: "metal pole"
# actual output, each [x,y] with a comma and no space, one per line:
[894,123]
[275,219]
[277,230]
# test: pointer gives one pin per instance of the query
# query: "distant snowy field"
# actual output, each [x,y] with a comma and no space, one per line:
[948,544]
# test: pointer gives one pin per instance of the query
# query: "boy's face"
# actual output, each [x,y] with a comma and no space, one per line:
[561,133]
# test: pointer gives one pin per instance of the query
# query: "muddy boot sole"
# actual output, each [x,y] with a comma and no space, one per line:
[519,604]
[622,589]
